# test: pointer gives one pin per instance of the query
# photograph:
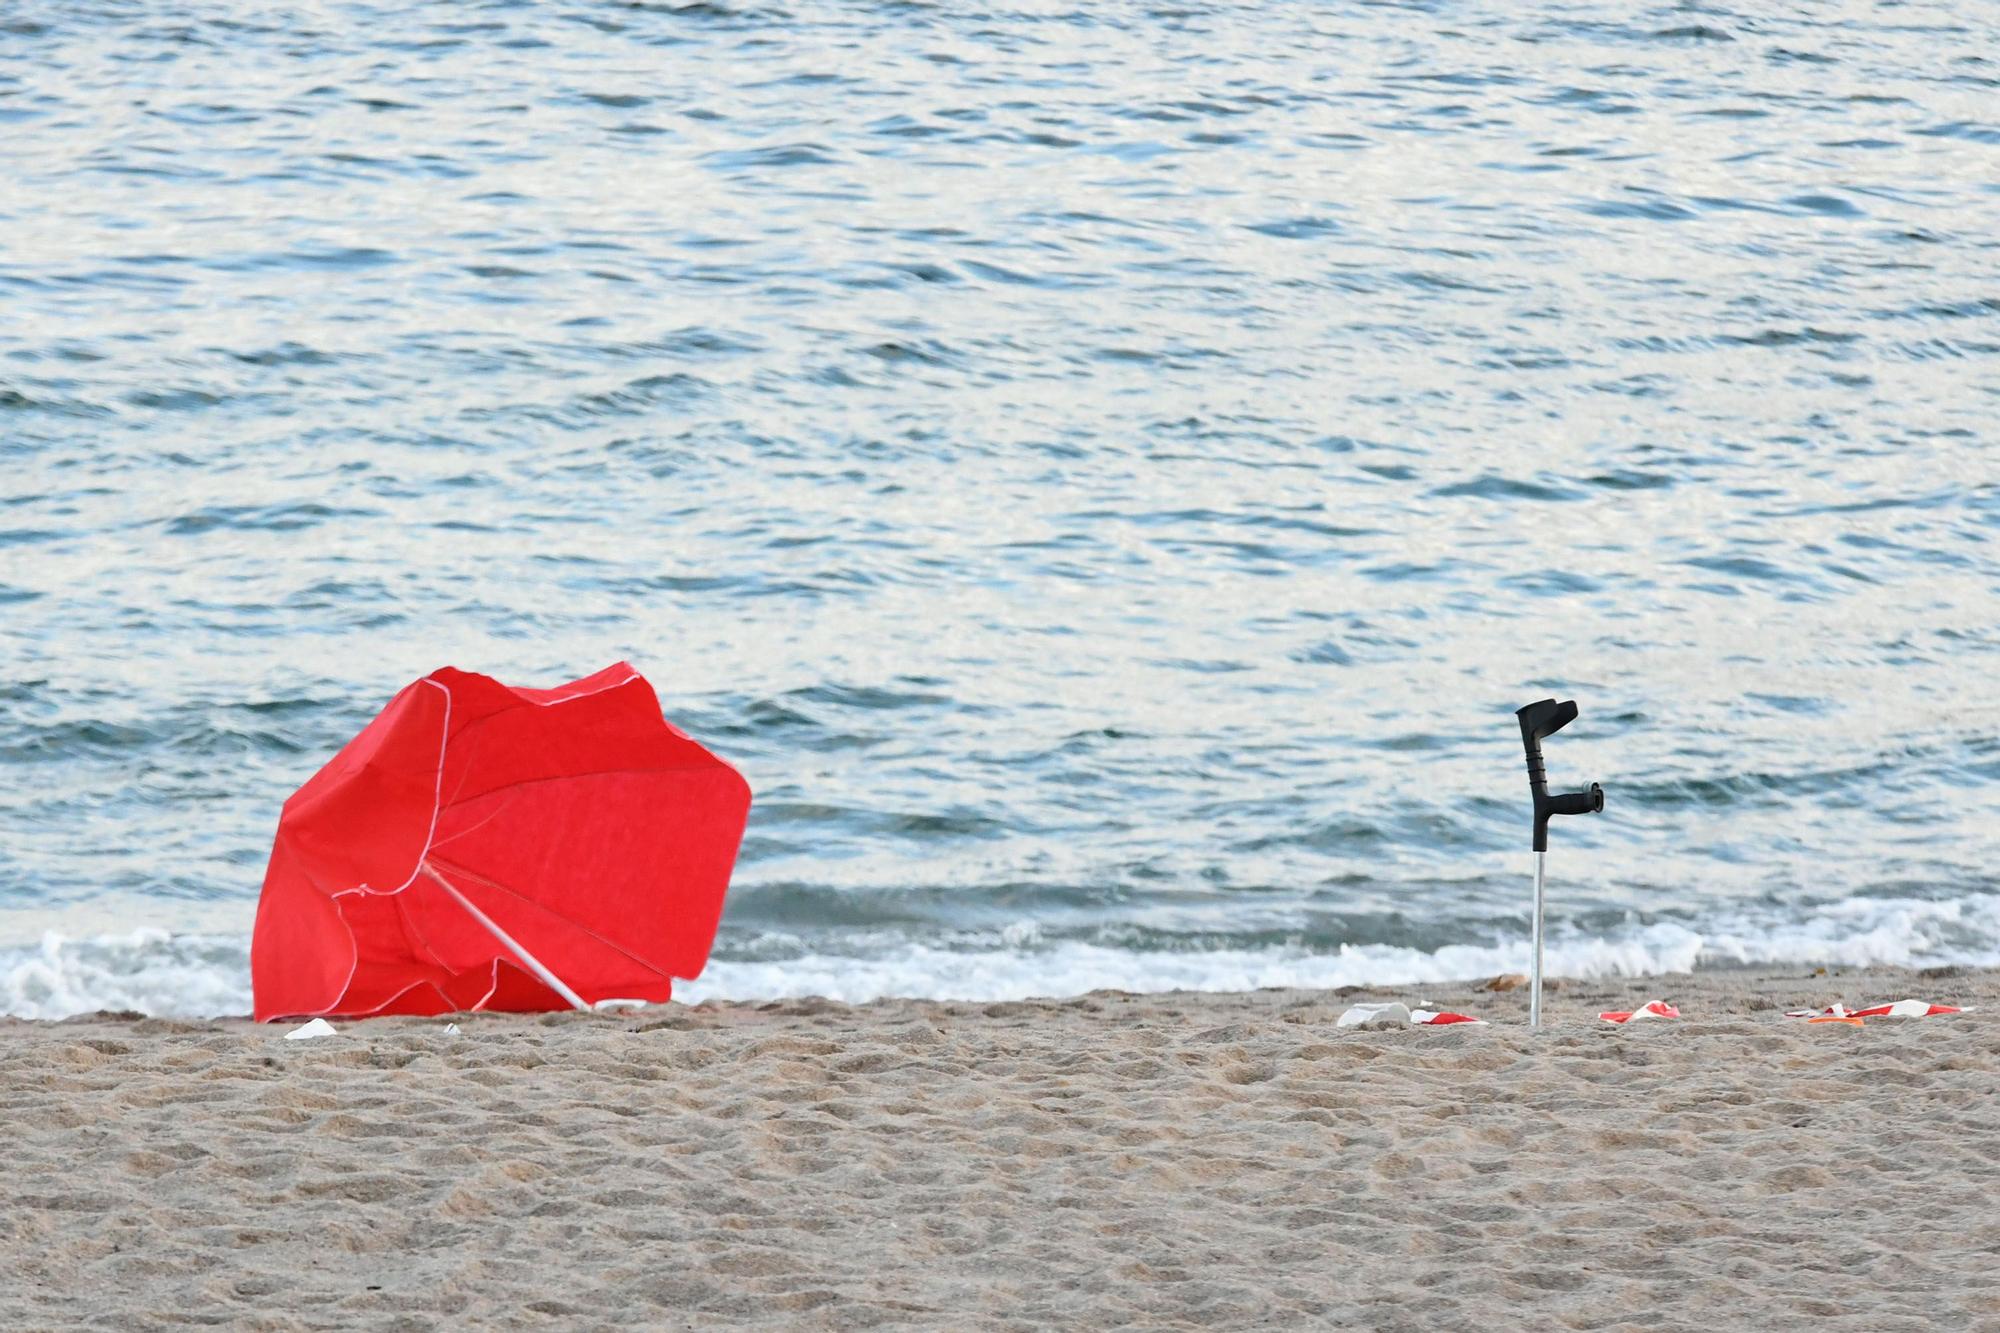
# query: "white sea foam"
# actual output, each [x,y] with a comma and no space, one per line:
[207,975]
[150,971]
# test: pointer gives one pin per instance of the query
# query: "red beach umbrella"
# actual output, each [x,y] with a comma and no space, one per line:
[480,846]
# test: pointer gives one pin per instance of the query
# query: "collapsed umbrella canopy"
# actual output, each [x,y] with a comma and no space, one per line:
[479,846]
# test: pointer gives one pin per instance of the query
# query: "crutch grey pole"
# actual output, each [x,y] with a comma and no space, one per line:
[1545,718]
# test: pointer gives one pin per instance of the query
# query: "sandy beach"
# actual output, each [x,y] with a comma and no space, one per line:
[1173,1161]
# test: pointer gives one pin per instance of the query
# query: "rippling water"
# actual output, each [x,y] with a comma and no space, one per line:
[1106,472]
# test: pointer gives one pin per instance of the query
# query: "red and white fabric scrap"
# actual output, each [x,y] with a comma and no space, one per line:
[1401,1015]
[1651,1009]
[1899,1009]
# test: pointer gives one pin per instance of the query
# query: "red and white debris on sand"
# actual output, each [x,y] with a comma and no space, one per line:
[1897,1009]
[1394,1013]
[1651,1009]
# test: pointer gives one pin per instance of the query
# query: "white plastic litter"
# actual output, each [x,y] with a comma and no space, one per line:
[451,1029]
[319,1027]
[611,1006]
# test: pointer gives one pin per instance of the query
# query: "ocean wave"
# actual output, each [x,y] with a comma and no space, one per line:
[151,972]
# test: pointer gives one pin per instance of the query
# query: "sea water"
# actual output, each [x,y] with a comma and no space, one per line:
[1105,472]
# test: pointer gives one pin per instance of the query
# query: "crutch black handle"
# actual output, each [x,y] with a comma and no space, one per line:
[1545,718]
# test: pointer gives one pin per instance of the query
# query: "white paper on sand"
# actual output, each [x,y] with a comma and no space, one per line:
[1385,1015]
[319,1027]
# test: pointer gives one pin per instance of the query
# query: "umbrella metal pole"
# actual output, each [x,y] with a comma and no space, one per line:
[554,982]
[1535,975]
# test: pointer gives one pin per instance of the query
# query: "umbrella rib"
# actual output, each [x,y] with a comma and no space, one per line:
[416,935]
[518,896]
[467,832]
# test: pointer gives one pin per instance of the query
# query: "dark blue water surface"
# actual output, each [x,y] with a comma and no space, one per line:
[1106,472]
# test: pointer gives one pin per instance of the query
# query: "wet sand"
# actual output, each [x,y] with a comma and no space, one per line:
[1171,1161]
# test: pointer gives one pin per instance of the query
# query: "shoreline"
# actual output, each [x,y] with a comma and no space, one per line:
[1728,988]
[1180,1160]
